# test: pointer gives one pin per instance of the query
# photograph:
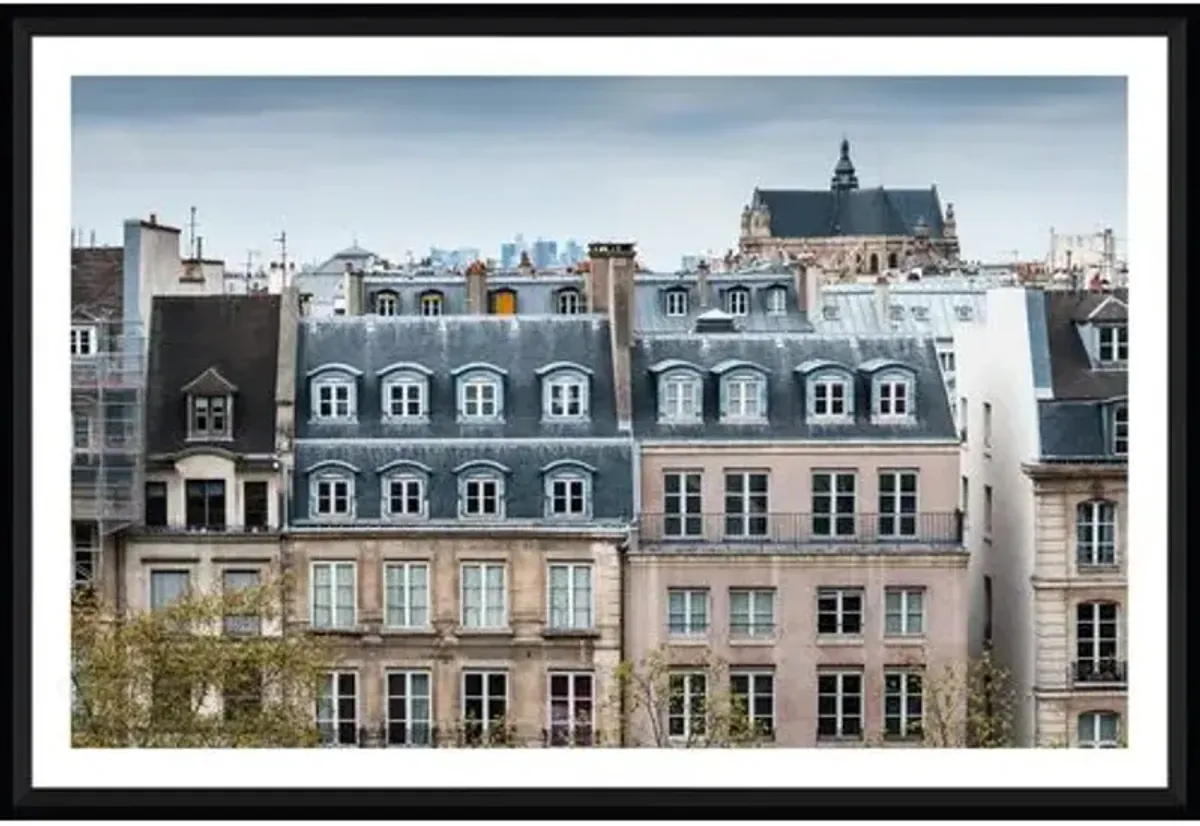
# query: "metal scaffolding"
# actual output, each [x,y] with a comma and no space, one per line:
[107,401]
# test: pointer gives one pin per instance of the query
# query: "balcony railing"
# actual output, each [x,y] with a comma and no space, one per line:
[774,530]
[1098,674]
[201,530]
[423,735]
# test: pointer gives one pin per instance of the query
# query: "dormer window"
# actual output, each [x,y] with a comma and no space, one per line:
[743,397]
[209,417]
[676,303]
[431,303]
[480,394]
[331,490]
[829,398]
[568,490]
[776,301]
[892,397]
[679,399]
[83,340]
[1114,344]
[1120,429]
[481,490]
[404,490]
[569,302]
[386,304]
[737,301]
[333,400]
[404,391]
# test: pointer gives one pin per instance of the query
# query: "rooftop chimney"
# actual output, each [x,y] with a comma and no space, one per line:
[153,220]
[615,263]
[352,291]
[702,285]
[882,300]
[809,281]
[199,248]
[477,288]
[715,321]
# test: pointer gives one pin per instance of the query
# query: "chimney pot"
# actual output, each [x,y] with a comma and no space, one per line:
[153,220]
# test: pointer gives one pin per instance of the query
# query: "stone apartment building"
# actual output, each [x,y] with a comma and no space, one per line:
[1045,489]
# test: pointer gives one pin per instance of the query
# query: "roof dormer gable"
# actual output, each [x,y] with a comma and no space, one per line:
[210,383]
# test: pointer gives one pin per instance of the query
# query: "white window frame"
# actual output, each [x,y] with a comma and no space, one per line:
[821,404]
[886,396]
[564,381]
[696,602]
[485,602]
[336,611]
[687,387]
[686,518]
[1091,517]
[471,392]
[209,407]
[83,341]
[487,699]
[840,694]
[405,383]
[898,603]
[336,721]
[389,302]
[892,519]
[947,361]
[406,479]
[572,596]
[743,520]
[676,302]
[432,304]
[837,498]
[759,623]
[1120,429]
[840,611]
[749,402]
[411,722]
[754,677]
[569,477]
[573,723]
[1112,344]
[479,477]
[1094,643]
[332,385]
[88,433]
[569,302]
[314,495]
[689,679]
[776,301]
[1093,739]
[403,616]
[737,301]
[909,725]
[987,425]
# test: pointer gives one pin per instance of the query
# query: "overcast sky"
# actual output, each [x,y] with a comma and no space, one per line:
[407,163]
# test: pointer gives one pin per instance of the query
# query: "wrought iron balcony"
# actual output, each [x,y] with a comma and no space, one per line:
[564,736]
[220,530]
[770,531]
[1098,674]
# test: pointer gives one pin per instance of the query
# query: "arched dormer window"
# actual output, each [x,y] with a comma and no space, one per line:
[480,392]
[404,489]
[331,490]
[569,301]
[675,302]
[404,392]
[893,390]
[1096,533]
[680,392]
[568,488]
[481,489]
[566,391]
[828,391]
[387,303]
[777,300]
[431,303]
[743,391]
[737,301]
[334,391]
[503,301]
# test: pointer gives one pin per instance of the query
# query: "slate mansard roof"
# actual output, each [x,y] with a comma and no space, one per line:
[780,355]
[650,299]
[238,336]
[1074,398]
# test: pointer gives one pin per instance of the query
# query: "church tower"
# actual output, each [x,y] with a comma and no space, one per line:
[844,178]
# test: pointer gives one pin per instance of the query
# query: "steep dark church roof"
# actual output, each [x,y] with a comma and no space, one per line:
[844,209]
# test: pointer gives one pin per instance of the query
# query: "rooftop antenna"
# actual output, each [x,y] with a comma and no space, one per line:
[250,254]
[282,242]
[92,239]
[192,232]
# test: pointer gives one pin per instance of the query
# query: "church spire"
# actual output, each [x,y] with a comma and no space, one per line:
[843,173]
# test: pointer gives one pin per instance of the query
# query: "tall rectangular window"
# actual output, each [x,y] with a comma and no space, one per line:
[205,501]
[987,424]
[751,612]
[156,505]
[987,510]
[484,596]
[409,708]
[903,703]
[168,587]
[572,709]
[1114,344]
[839,705]
[485,704]
[687,705]
[745,504]
[86,550]
[571,596]
[254,505]
[244,621]
[898,503]
[406,586]
[753,693]
[833,503]
[681,504]
[334,595]
[337,708]
[903,612]
[687,612]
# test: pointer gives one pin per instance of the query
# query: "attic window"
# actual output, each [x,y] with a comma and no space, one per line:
[829,398]
[896,312]
[679,399]
[481,494]
[83,341]
[209,417]
[963,311]
[744,397]
[677,303]
[569,302]
[737,301]
[776,301]
[386,304]
[1114,344]
[920,313]
[479,399]
[404,396]
[331,495]
[431,304]
[1120,429]
[829,312]
[333,400]
[892,396]
[568,494]
[566,396]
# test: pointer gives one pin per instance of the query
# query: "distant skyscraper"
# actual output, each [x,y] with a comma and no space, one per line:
[544,254]
[509,255]
[572,253]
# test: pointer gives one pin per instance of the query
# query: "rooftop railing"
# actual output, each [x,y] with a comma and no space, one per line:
[768,531]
